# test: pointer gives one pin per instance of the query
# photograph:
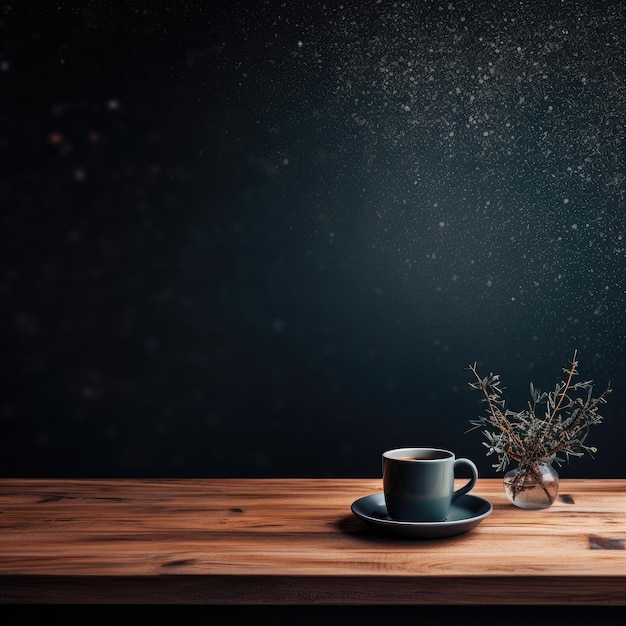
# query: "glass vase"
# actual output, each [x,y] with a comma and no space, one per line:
[532,485]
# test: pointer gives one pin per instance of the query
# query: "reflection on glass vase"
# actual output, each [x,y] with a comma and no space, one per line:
[532,485]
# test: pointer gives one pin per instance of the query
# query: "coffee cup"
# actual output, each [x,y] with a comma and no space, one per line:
[418,483]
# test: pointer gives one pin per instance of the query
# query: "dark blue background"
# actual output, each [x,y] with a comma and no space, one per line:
[256,239]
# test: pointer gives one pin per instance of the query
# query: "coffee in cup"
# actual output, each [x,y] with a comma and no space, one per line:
[418,483]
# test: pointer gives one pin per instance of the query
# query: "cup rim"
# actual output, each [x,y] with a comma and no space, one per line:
[396,454]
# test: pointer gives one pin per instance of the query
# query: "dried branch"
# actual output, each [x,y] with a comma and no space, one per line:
[534,434]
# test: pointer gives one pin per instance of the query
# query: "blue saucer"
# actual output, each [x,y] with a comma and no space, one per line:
[465,513]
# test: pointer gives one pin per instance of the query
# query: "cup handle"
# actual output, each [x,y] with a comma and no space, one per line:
[472,481]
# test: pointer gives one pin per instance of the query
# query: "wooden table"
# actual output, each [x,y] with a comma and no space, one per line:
[296,542]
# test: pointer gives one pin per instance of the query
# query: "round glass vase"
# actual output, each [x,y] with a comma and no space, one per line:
[532,485]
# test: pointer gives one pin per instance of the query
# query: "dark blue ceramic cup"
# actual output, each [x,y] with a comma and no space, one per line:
[418,483]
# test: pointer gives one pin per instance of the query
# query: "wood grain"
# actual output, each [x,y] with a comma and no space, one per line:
[295,542]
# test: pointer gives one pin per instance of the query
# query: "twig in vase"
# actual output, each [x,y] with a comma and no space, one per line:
[554,423]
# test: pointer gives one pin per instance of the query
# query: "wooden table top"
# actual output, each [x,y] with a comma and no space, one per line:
[297,542]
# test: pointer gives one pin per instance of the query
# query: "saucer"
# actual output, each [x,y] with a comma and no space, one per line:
[464,514]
